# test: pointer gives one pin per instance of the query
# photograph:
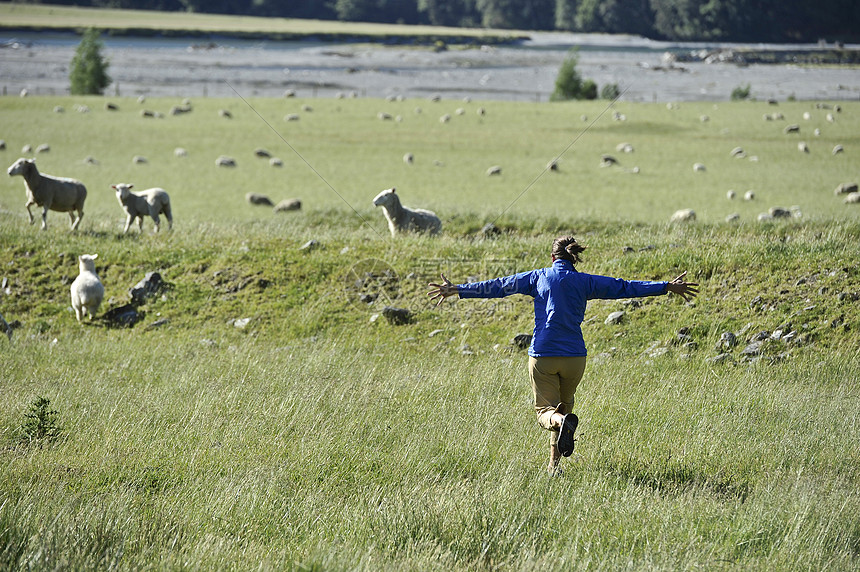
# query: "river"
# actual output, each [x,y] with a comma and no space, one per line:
[175,67]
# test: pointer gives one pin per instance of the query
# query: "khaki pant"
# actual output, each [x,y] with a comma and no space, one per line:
[554,381]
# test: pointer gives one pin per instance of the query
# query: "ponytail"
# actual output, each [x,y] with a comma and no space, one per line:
[566,248]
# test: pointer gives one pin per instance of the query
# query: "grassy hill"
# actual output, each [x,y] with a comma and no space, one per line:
[263,414]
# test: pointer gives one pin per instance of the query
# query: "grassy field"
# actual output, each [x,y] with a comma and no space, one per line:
[317,437]
[44,17]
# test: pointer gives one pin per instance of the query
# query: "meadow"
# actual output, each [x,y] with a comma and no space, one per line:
[316,435]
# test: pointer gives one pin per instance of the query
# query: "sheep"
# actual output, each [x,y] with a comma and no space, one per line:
[408,158]
[259,199]
[152,202]
[838,149]
[730,194]
[749,196]
[403,219]
[803,147]
[224,161]
[852,198]
[698,167]
[50,193]
[87,290]
[793,128]
[494,170]
[846,188]
[683,215]
[738,152]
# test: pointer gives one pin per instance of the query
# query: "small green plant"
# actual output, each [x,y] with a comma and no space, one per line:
[610,91]
[88,74]
[40,424]
[741,92]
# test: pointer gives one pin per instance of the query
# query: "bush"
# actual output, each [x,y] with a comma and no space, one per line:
[740,93]
[569,84]
[610,91]
[589,89]
[40,424]
[88,74]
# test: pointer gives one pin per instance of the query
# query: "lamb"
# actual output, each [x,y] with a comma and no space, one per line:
[87,290]
[50,193]
[403,219]
[152,202]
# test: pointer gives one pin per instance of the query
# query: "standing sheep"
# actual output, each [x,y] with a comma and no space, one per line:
[152,202]
[50,193]
[87,290]
[403,219]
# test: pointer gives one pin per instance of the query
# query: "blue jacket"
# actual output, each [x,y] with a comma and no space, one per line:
[560,294]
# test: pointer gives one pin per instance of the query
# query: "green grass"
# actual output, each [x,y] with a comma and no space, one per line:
[316,438]
[142,22]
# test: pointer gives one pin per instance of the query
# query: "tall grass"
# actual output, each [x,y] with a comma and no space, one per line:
[320,436]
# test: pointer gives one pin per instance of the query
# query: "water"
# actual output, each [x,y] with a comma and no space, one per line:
[39,63]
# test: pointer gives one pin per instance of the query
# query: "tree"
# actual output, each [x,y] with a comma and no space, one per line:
[89,68]
[569,83]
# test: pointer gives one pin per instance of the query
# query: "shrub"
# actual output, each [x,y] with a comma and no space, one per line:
[589,89]
[40,424]
[740,93]
[568,83]
[610,91]
[88,74]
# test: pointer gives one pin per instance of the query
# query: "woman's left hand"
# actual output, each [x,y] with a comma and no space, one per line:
[442,291]
[686,290]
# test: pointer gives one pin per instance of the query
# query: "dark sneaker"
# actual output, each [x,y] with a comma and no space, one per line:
[565,434]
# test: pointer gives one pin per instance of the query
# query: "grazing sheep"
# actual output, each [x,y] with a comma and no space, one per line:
[793,128]
[698,167]
[853,198]
[43,148]
[139,160]
[224,161]
[225,113]
[445,118]
[494,170]
[837,149]
[749,196]
[408,158]
[258,199]
[2,144]
[730,195]
[262,153]
[276,162]
[87,290]
[384,116]
[683,215]
[779,212]
[803,147]
[291,117]
[845,189]
[152,202]
[111,107]
[738,152]
[552,165]
[180,152]
[624,147]
[403,219]
[288,205]
[608,161]
[50,193]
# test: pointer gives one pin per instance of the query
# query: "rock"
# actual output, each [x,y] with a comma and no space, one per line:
[288,205]
[5,327]
[722,358]
[753,349]
[727,341]
[614,318]
[522,341]
[397,316]
[489,230]
[310,245]
[123,316]
[151,285]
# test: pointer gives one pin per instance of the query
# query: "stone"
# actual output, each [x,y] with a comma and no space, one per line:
[614,318]
[151,285]
[397,316]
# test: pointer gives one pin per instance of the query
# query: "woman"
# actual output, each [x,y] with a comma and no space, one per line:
[557,352]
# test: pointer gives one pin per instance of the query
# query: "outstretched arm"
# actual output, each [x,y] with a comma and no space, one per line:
[442,291]
[686,290]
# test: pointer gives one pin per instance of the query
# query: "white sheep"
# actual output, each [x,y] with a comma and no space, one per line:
[403,219]
[87,290]
[51,193]
[152,202]
[683,215]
